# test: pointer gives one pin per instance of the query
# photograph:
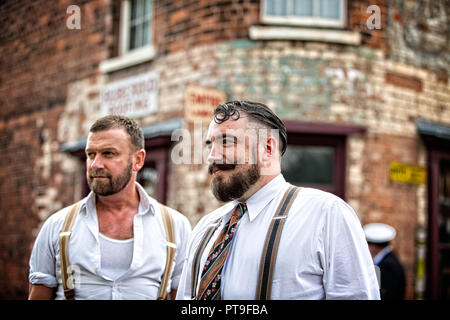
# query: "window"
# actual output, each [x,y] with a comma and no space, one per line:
[153,176]
[135,38]
[329,13]
[136,24]
[311,165]
[148,178]
[316,155]
[315,161]
[140,20]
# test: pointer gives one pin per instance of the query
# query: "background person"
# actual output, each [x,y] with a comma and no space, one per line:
[392,275]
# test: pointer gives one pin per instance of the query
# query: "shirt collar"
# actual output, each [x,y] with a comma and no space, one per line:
[380,256]
[258,201]
[146,203]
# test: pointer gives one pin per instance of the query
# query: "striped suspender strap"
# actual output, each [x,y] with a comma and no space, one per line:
[195,270]
[64,236]
[268,258]
[171,248]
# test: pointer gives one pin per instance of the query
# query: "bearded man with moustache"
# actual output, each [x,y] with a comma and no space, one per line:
[321,253]
[117,249]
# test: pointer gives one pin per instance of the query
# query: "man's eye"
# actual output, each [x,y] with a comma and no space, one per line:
[108,154]
[227,142]
[90,155]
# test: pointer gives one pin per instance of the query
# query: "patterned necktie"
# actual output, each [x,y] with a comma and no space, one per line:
[210,283]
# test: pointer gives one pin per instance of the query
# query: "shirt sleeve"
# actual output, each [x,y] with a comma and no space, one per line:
[182,245]
[183,293]
[349,273]
[42,259]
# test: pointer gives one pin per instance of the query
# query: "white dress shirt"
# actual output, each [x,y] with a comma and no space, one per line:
[143,277]
[322,253]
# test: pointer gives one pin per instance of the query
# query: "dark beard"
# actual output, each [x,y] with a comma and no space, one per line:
[239,184]
[111,185]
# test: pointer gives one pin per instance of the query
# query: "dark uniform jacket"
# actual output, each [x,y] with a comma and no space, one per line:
[392,278]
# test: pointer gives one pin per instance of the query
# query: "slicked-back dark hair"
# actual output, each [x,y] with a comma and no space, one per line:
[256,111]
[121,122]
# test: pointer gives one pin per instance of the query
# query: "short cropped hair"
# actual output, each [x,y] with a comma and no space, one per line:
[256,111]
[121,122]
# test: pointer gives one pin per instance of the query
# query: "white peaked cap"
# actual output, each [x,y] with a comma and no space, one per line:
[379,232]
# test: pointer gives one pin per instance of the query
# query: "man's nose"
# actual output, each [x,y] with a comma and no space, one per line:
[96,162]
[214,155]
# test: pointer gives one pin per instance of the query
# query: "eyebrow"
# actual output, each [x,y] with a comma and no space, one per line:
[102,149]
[221,136]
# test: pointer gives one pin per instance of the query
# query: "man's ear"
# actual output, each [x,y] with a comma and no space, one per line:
[139,160]
[270,148]
[271,160]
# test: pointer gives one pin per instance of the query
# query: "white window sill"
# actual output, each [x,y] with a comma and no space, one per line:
[306,34]
[129,59]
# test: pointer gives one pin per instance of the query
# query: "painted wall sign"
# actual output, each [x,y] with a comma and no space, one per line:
[134,97]
[200,102]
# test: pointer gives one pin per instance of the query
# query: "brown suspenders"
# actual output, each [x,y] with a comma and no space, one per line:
[66,231]
[268,258]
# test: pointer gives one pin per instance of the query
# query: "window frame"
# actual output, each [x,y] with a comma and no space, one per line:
[337,143]
[313,21]
[157,156]
[126,57]
[325,134]
[125,30]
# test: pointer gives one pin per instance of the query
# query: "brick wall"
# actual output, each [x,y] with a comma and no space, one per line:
[418,34]
[189,23]
[357,20]
[39,58]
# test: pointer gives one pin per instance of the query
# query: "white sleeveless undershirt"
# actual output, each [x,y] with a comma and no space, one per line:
[116,256]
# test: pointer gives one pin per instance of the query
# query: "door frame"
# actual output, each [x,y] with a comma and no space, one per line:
[435,155]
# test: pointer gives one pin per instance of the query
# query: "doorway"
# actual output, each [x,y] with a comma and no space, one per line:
[438,275]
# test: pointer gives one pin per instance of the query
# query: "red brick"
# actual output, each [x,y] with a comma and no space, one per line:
[404,81]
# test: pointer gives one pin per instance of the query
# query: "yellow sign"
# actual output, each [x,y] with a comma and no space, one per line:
[400,172]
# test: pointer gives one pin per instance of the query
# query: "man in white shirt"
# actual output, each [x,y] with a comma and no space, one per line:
[117,249]
[322,252]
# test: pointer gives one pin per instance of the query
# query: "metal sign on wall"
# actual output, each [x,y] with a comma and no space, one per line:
[405,173]
[200,102]
[134,97]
